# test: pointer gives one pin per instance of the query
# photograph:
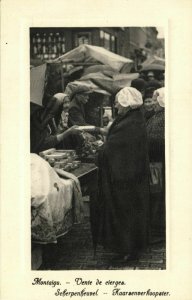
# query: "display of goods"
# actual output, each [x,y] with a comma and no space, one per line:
[86,128]
[61,159]
[90,148]
[47,152]
[56,156]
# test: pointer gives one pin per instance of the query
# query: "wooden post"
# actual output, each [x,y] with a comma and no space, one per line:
[101,115]
[62,79]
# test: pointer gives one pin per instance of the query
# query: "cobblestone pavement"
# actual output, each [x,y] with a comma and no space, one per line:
[74,251]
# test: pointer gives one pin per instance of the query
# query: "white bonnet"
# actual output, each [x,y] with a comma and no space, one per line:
[60,96]
[160,93]
[129,96]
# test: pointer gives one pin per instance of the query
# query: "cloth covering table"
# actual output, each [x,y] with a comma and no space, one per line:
[54,205]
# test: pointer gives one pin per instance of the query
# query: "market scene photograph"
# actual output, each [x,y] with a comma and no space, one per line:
[97,148]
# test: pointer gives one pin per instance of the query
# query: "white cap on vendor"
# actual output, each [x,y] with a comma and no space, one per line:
[160,94]
[60,96]
[129,96]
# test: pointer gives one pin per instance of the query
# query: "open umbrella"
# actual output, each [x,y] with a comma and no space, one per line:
[37,83]
[153,67]
[105,69]
[89,82]
[104,83]
[99,55]
[153,60]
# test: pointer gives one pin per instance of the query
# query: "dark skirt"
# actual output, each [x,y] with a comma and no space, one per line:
[124,212]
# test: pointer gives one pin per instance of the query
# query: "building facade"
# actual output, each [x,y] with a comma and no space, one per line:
[132,42]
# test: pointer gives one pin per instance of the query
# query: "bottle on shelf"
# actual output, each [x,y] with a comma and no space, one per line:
[33,40]
[63,44]
[58,37]
[44,38]
[50,37]
[38,38]
[34,49]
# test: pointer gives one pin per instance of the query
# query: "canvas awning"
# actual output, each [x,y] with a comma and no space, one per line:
[86,53]
[153,67]
[153,60]
[100,83]
[37,84]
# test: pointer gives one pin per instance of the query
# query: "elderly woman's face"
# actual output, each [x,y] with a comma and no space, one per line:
[148,104]
[66,103]
[82,98]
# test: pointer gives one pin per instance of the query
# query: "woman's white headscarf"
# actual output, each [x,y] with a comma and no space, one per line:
[60,96]
[129,96]
[160,94]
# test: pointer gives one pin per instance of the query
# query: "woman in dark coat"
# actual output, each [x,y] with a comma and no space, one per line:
[124,187]
[156,143]
[43,126]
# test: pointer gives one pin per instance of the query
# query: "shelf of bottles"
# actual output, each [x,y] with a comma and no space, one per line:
[47,46]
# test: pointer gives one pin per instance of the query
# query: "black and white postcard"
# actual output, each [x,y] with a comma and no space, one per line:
[95,151]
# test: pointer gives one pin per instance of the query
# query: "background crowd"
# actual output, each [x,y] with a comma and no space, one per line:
[131,161]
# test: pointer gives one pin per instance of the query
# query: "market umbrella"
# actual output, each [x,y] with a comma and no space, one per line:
[37,84]
[104,84]
[105,69]
[124,80]
[86,53]
[100,80]
[117,82]
[86,81]
[153,67]
[153,60]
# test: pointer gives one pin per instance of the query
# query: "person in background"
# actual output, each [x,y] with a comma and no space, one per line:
[43,126]
[106,125]
[148,106]
[105,121]
[140,85]
[77,114]
[150,76]
[153,85]
[123,179]
[93,111]
[156,144]
[63,124]
[74,140]
[79,98]
[161,79]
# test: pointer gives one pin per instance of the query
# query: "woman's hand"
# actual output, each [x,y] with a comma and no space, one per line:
[73,129]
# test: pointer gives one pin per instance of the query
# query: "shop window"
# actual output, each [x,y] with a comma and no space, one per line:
[47,46]
[82,38]
[108,41]
[113,43]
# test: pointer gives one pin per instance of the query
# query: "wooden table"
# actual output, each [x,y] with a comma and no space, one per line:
[87,173]
[88,177]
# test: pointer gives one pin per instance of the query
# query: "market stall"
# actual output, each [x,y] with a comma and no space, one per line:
[153,64]
[56,198]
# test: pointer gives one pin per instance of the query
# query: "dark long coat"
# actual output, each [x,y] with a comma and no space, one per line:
[76,113]
[124,186]
[156,136]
